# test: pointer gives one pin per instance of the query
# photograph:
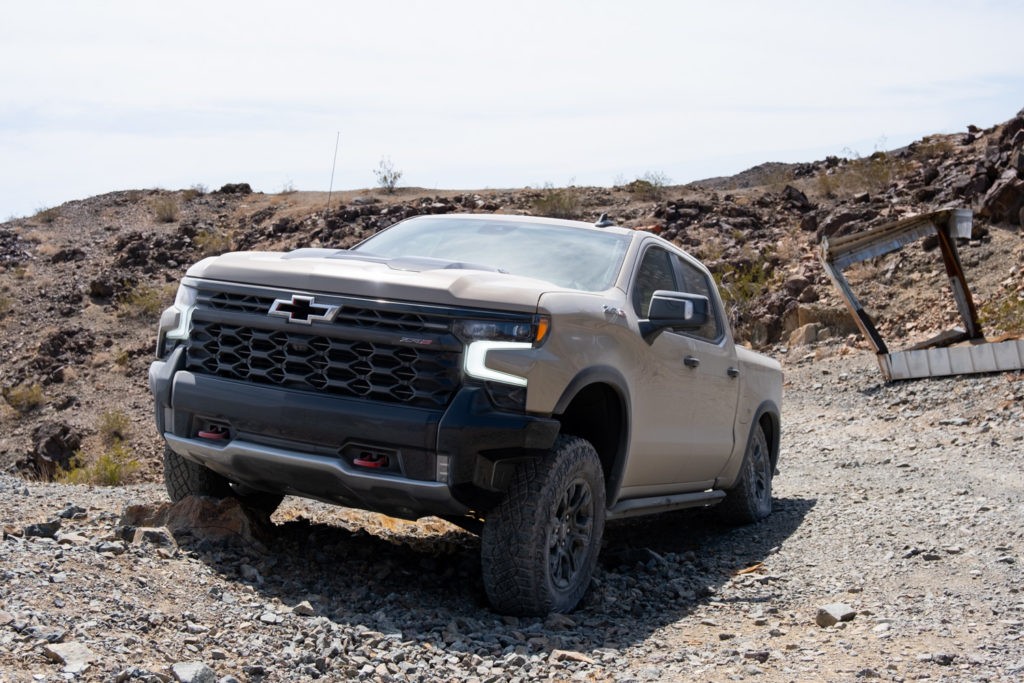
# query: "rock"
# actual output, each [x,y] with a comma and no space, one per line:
[72,512]
[1005,199]
[235,188]
[53,446]
[805,334]
[796,197]
[269,617]
[794,285]
[74,656]
[556,621]
[218,520]
[157,536]
[304,609]
[758,656]
[833,613]
[193,672]
[112,547]
[808,296]
[569,656]
[42,529]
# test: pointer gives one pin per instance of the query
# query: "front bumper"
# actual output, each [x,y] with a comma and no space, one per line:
[440,462]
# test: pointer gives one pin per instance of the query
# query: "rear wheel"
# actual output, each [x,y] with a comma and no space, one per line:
[750,499]
[184,478]
[540,545]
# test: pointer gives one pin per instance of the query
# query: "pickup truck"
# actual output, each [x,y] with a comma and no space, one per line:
[526,378]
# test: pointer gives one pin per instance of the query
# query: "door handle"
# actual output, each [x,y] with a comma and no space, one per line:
[733,372]
[691,362]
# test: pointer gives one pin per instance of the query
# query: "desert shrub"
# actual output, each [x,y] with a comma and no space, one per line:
[145,300]
[48,215]
[558,202]
[197,190]
[165,209]
[213,242]
[741,285]
[1004,314]
[932,147]
[5,305]
[114,426]
[112,467]
[387,175]
[872,174]
[650,186]
[24,397]
[289,187]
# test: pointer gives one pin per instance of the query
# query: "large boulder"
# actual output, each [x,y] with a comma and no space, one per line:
[224,521]
[1004,200]
[53,446]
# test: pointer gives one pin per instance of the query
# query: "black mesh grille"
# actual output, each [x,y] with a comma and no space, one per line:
[343,367]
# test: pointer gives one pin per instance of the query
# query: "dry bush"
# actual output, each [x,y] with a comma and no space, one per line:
[213,242]
[112,467]
[165,209]
[1004,314]
[558,202]
[48,215]
[147,301]
[932,147]
[114,426]
[24,398]
[387,175]
[650,186]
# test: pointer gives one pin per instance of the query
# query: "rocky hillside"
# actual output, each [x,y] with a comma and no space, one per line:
[83,283]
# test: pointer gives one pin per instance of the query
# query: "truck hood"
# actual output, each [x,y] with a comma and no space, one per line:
[332,271]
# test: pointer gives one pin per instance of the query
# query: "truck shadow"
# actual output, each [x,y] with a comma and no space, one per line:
[653,571]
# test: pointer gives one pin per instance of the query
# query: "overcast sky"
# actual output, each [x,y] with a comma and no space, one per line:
[103,96]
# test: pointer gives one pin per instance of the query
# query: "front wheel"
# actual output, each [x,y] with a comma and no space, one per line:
[184,478]
[540,545]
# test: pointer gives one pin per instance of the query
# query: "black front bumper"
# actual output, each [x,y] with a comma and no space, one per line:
[439,462]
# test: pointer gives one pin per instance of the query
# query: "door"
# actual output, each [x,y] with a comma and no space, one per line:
[685,402]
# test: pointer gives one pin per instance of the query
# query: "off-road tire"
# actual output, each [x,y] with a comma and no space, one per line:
[750,499]
[185,478]
[540,544]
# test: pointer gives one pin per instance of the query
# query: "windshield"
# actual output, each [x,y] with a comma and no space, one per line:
[568,257]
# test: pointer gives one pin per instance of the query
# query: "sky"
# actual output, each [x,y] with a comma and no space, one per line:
[104,96]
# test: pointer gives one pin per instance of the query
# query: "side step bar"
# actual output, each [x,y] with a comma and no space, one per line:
[635,507]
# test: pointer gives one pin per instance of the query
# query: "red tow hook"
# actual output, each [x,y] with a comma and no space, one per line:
[214,433]
[372,461]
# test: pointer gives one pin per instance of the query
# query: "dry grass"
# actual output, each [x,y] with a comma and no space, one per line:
[24,398]
[111,468]
[214,242]
[558,202]
[165,209]
[114,426]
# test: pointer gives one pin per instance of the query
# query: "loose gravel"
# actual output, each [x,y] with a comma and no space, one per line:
[893,553]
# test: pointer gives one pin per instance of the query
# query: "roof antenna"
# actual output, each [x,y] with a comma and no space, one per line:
[337,139]
[604,221]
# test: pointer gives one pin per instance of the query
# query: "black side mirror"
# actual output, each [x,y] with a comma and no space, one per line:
[675,310]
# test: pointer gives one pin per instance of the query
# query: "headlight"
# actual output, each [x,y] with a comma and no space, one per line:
[482,336]
[531,331]
[176,321]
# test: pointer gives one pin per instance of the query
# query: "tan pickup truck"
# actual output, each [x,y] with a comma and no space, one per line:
[526,378]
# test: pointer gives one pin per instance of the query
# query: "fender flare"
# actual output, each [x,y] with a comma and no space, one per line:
[610,376]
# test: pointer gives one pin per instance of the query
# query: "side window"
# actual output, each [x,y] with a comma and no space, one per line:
[696,282]
[656,272]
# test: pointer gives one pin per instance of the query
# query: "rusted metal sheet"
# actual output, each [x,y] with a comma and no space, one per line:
[936,357]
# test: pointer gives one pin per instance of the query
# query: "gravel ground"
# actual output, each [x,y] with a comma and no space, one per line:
[900,502]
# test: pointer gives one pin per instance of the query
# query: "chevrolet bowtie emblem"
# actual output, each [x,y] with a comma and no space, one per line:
[303,309]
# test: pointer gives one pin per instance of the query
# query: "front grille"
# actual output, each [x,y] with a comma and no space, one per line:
[343,367]
[353,312]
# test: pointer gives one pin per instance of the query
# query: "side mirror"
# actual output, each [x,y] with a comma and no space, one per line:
[675,310]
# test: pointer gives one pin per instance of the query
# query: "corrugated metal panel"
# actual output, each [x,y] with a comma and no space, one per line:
[956,360]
